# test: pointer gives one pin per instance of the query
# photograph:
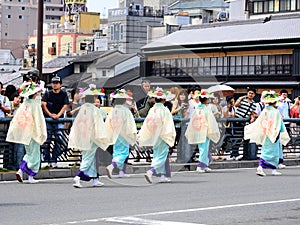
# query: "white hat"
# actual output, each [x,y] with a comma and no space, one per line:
[120,94]
[269,97]
[159,93]
[204,94]
[29,88]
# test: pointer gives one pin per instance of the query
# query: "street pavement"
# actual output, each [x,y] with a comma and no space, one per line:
[224,196]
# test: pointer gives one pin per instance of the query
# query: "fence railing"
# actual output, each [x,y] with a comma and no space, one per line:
[232,132]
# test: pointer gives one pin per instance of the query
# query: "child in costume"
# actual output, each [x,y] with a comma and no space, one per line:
[158,130]
[88,132]
[121,132]
[202,128]
[269,131]
[28,127]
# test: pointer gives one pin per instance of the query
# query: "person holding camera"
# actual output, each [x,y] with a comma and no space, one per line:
[228,111]
[4,103]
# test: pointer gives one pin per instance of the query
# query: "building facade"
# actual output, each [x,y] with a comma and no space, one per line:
[19,20]
[128,28]
[261,55]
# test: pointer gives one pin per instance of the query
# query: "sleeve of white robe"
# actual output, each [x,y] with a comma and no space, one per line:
[120,121]
[158,124]
[88,126]
[202,124]
[28,123]
[268,124]
[40,127]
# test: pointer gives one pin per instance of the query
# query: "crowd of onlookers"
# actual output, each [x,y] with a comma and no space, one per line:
[57,104]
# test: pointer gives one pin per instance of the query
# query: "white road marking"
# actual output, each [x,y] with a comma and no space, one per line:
[131,219]
[135,220]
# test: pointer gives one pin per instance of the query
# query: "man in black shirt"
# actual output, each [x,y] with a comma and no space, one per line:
[54,104]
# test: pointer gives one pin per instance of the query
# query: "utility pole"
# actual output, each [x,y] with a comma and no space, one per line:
[40,37]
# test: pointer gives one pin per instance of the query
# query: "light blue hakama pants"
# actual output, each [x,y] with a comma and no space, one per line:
[32,158]
[88,169]
[204,156]
[160,154]
[270,153]
[120,152]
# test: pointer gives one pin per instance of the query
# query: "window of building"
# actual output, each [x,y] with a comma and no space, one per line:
[20,0]
[8,7]
[21,17]
[271,6]
[82,68]
[224,66]
[285,5]
[116,32]
[103,73]
[8,16]
[22,8]
[5,34]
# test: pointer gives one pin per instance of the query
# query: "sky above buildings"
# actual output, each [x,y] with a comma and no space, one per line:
[101,6]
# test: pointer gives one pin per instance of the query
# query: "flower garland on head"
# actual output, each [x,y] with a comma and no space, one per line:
[92,86]
[269,97]
[158,93]
[204,94]
[120,93]
[29,86]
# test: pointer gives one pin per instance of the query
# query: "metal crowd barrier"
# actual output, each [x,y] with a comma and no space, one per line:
[230,139]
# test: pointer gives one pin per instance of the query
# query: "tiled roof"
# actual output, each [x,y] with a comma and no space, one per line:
[112,60]
[116,81]
[90,57]
[15,79]
[284,29]
[59,62]
[76,79]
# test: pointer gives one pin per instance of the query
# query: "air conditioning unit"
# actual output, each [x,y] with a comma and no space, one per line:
[51,50]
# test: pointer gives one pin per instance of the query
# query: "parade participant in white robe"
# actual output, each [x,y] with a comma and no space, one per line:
[269,131]
[202,128]
[88,132]
[121,132]
[28,127]
[158,130]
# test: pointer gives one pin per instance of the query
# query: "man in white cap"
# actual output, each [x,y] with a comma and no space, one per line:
[158,130]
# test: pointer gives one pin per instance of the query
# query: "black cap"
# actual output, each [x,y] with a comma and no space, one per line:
[56,79]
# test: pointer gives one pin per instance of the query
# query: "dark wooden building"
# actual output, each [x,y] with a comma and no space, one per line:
[254,53]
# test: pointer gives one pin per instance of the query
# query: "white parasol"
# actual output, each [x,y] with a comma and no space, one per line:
[222,89]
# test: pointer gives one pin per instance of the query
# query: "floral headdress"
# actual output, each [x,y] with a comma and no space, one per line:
[92,90]
[121,93]
[269,97]
[204,94]
[29,88]
[159,93]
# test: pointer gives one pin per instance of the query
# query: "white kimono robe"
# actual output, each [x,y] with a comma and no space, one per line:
[120,121]
[158,124]
[88,127]
[28,127]
[202,124]
[28,123]
[268,124]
